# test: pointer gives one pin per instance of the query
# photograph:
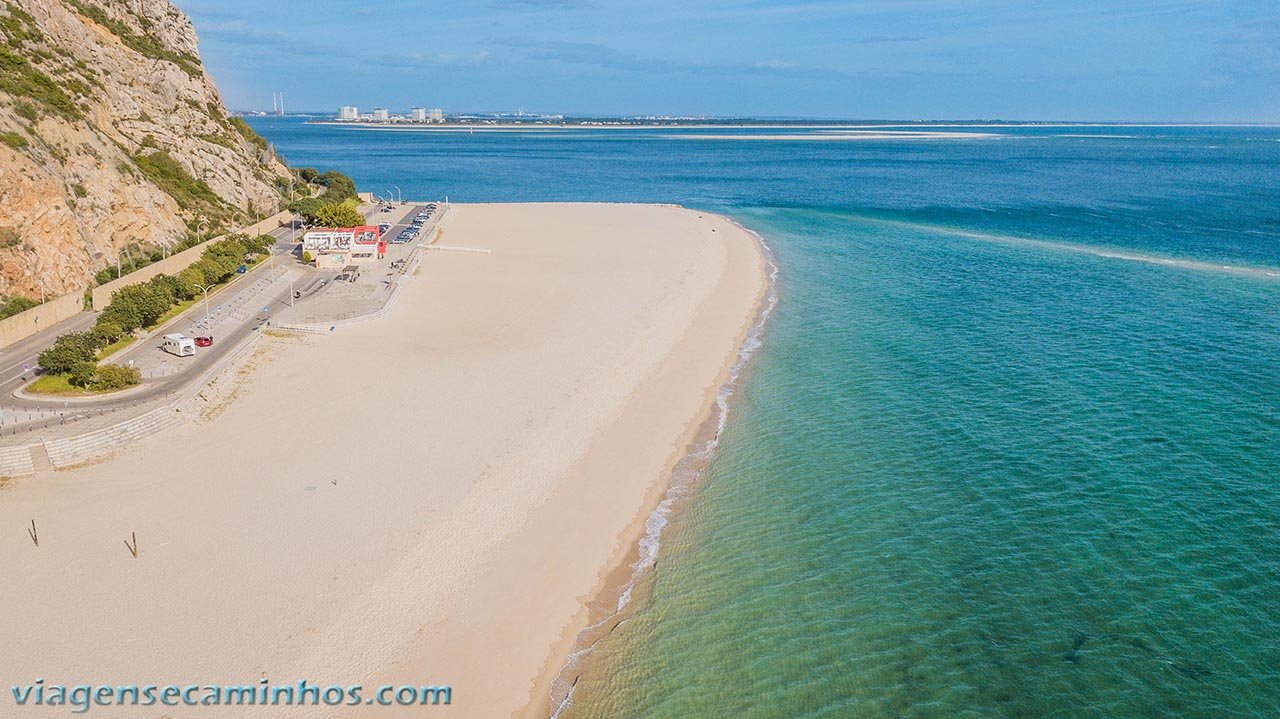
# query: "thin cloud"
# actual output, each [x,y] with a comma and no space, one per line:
[602,56]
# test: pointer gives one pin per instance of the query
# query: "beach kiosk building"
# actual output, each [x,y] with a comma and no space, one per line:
[336,247]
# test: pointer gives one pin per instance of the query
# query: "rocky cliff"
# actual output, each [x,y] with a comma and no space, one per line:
[113,137]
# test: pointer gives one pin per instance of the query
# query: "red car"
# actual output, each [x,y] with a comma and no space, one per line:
[204,341]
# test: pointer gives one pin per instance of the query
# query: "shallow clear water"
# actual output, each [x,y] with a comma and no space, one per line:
[995,459]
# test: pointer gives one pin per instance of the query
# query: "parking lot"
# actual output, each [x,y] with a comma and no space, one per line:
[339,295]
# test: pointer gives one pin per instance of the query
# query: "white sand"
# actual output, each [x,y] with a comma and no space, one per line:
[433,496]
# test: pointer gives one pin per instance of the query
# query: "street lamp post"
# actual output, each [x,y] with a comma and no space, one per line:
[399,194]
[119,268]
[206,305]
[203,223]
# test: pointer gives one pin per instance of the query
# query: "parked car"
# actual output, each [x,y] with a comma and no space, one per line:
[204,341]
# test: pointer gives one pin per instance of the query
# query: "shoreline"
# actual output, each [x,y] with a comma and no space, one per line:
[533,403]
[670,491]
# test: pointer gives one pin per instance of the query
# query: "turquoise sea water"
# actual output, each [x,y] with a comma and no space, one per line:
[1011,447]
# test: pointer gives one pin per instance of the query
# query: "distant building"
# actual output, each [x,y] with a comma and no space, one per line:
[380,114]
[418,114]
[348,112]
[435,114]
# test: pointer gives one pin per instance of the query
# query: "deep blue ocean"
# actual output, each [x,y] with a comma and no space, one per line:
[1011,447]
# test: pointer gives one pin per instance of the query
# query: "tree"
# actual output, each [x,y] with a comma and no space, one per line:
[308,207]
[105,332]
[226,254]
[339,216]
[170,285]
[81,373]
[145,302]
[338,187]
[68,351]
[191,279]
[261,243]
[209,270]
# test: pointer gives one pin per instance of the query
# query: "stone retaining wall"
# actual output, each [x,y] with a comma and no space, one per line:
[65,453]
[174,264]
[40,317]
[16,462]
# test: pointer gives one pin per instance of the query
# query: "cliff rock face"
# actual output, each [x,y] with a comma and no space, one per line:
[113,137]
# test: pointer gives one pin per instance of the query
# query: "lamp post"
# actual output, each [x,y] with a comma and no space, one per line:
[203,223]
[399,194]
[119,269]
[206,305]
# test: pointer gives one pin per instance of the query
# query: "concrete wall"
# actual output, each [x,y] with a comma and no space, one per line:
[174,264]
[25,324]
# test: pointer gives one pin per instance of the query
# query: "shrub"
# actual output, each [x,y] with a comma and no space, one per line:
[114,376]
[11,306]
[248,134]
[306,257]
[14,140]
[27,111]
[81,374]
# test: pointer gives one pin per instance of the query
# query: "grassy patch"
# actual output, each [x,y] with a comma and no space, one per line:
[56,384]
[116,346]
[14,140]
[59,385]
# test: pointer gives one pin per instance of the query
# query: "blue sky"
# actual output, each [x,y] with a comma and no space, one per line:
[907,59]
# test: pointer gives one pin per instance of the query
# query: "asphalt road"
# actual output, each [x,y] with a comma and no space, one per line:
[24,353]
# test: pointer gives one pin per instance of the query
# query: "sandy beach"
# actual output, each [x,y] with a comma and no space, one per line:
[430,498]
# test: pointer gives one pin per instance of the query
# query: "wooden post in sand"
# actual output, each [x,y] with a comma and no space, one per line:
[133,548]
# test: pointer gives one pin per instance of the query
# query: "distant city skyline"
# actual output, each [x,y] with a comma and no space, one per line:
[1167,60]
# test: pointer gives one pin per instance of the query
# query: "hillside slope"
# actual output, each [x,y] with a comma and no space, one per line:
[112,136]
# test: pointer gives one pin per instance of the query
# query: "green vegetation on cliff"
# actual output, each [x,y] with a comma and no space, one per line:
[20,78]
[143,44]
[166,173]
[248,134]
[338,189]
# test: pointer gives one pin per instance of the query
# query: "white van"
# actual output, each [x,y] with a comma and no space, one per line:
[180,345]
